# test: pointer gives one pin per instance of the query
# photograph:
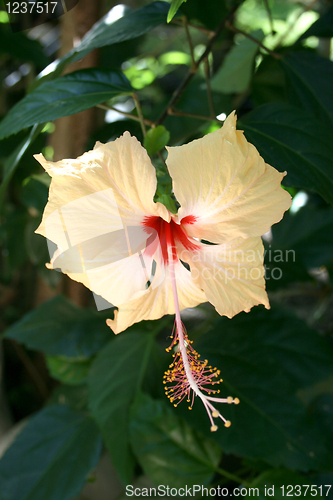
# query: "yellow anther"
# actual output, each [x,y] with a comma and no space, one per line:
[236,401]
[215,414]
[227,423]
[213,428]
[230,400]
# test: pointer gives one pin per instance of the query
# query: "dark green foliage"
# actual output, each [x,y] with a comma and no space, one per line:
[94,387]
[51,457]
[65,96]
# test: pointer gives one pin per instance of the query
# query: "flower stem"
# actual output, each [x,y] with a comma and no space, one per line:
[140,115]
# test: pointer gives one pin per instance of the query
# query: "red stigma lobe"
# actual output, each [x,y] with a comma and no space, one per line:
[169,233]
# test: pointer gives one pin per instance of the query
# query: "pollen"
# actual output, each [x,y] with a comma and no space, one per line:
[188,377]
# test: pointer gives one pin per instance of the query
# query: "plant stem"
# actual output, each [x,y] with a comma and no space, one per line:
[128,115]
[178,92]
[209,90]
[189,39]
[231,476]
[236,30]
[269,14]
[176,112]
[199,28]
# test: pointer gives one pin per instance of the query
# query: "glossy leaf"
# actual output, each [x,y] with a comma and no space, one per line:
[269,82]
[265,358]
[310,83]
[35,190]
[156,138]
[51,458]
[60,328]
[108,32]
[236,72]
[175,4]
[115,377]
[308,234]
[169,451]
[283,265]
[14,159]
[291,140]
[65,96]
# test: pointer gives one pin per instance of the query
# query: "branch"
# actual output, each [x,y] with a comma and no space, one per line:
[128,115]
[236,30]
[178,92]
[176,112]
[140,115]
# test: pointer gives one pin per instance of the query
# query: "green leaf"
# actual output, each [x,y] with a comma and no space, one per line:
[269,82]
[291,140]
[65,96]
[14,159]
[265,358]
[310,83]
[51,458]
[35,190]
[169,451]
[322,28]
[107,32]
[21,47]
[283,265]
[72,371]
[237,69]
[60,328]
[278,483]
[175,4]
[115,377]
[308,234]
[156,139]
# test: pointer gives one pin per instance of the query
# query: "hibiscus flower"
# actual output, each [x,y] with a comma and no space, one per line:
[110,235]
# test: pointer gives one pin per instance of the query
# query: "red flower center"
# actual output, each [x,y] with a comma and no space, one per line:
[169,233]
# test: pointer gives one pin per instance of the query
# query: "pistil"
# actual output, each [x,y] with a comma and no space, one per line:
[187,373]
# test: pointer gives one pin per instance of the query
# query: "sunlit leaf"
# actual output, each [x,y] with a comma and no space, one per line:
[156,138]
[175,4]
[237,69]
[323,27]
[108,31]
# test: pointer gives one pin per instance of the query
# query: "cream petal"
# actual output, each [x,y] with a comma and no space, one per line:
[224,183]
[231,275]
[159,299]
[119,281]
[122,168]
